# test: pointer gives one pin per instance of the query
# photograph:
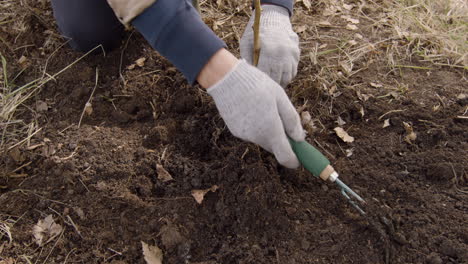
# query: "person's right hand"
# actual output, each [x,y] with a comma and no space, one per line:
[257,109]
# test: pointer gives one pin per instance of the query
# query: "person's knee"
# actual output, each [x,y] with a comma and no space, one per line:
[87,24]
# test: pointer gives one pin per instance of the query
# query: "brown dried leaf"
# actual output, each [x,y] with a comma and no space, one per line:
[301,29]
[41,106]
[199,195]
[23,60]
[306,118]
[352,42]
[324,24]
[341,133]
[410,134]
[350,19]
[140,62]
[348,7]
[152,254]
[351,27]
[131,67]
[46,230]
[376,85]
[163,175]
[340,121]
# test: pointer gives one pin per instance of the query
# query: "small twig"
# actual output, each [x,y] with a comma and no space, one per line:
[121,58]
[329,154]
[69,253]
[25,139]
[53,247]
[88,103]
[256,29]
[86,187]
[389,112]
[74,226]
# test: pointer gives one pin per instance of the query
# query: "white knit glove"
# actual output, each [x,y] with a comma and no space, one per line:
[279,53]
[257,109]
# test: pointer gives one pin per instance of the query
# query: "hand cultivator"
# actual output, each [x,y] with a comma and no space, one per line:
[317,164]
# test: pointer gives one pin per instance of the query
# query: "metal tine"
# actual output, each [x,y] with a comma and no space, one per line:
[349,190]
[343,192]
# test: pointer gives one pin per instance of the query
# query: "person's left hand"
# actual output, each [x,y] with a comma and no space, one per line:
[279,53]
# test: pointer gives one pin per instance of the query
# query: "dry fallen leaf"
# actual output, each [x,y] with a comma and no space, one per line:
[346,66]
[163,175]
[140,62]
[410,134]
[152,254]
[361,111]
[88,108]
[343,135]
[340,121]
[352,42]
[348,7]
[363,97]
[41,106]
[376,85]
[131,67]
[305,118]
[7,260]
[351,27]
[349,152]
[352,20]
[386,123]
[46,230]
[301,29]
[23,61]
[199,195]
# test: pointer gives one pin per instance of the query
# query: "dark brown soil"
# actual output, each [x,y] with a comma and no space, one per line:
[103,174]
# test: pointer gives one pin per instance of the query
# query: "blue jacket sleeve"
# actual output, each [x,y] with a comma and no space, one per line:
[288,4]
[175,29]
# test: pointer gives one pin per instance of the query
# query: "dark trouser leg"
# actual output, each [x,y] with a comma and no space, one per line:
[88,23]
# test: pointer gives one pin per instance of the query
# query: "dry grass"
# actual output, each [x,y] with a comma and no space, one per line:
[16,131]
[5,231]
[435,30]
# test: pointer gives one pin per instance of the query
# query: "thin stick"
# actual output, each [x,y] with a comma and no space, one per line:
[88,103]
[256,29]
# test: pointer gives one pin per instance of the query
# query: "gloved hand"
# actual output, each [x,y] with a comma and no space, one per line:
[257,109]
[279,53]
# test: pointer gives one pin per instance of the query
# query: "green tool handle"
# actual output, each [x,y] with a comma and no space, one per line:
[312,160]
